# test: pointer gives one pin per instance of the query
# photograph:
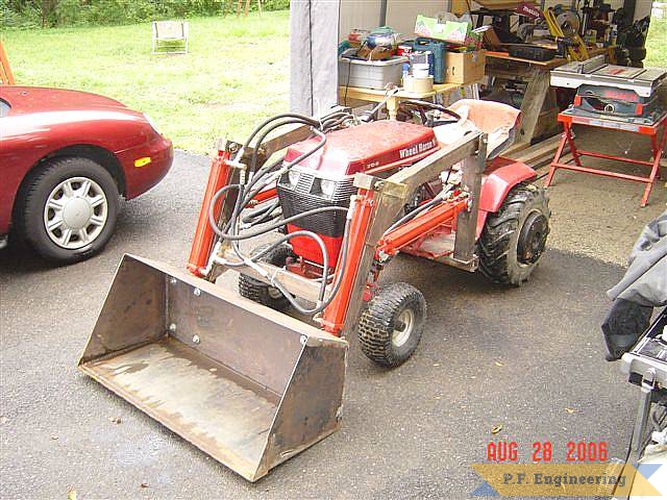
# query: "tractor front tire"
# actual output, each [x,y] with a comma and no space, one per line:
[514,238]
[391,325]
[260,292]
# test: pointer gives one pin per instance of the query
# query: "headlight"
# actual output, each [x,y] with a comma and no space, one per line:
[328,187]
[293,177]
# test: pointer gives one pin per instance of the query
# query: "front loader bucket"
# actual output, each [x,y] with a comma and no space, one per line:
[248,385]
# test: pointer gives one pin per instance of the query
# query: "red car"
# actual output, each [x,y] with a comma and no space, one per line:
[65,158]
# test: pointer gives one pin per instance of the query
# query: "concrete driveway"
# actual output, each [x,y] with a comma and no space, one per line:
[530,360]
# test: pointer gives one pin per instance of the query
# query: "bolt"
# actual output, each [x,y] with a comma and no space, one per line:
[172,327]
[196,339]
[173,281]
[197,292]
[303,339]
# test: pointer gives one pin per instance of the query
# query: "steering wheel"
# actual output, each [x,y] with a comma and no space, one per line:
[422,105]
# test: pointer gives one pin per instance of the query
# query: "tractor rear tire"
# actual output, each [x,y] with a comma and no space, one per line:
[514,238]
[391,325]
[260,292]
[637,54]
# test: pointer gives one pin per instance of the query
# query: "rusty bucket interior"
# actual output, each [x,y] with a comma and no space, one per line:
[246,384]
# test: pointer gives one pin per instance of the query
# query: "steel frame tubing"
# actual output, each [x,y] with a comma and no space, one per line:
[420,226]
[656,150]
[379,202]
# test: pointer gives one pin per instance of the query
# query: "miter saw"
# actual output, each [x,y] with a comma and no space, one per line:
[564,27]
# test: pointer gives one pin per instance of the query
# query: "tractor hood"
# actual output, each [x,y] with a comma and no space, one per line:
[371,147]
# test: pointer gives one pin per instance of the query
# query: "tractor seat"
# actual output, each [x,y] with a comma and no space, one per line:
[499,121]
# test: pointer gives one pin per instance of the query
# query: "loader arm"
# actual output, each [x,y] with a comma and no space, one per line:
[225,172]
[381,200]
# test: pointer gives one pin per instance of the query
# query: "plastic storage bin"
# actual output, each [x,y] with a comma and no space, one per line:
[370,74]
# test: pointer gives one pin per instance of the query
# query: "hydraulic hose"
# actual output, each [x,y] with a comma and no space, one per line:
[264,230]
[322,302]
[414,213]
[270,129]
[259,180]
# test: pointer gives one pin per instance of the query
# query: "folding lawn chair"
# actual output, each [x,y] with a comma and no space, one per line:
[170,37]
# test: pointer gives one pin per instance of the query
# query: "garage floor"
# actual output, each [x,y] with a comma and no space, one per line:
[529,359]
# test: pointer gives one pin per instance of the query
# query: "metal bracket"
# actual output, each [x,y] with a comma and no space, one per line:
[647,387]
[649,381]
[387,187]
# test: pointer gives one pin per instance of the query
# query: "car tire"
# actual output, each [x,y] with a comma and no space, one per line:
[391,325]
[69,209]
[514,238]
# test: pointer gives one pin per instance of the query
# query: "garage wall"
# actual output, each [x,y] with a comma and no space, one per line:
[401,14]
[642,9]
[313,55]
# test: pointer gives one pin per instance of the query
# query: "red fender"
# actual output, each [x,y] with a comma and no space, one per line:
[501,175]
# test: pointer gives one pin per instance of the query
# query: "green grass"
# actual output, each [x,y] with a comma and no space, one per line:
[656,43]
[235,74]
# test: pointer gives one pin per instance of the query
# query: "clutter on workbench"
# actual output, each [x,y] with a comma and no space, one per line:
[571,32]
[437,51]
[373,59]
[368,59]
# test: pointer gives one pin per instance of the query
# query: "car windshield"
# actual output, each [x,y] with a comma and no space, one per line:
[4,108]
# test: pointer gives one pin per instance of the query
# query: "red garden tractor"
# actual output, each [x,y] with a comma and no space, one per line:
[499,220]
[345,197]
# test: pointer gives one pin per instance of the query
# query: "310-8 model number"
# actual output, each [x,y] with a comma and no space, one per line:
[543,451]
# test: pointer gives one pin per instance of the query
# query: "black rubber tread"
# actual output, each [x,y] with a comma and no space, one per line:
[36,189]
[497,246]
[258,291]
[637,53]
[378,319]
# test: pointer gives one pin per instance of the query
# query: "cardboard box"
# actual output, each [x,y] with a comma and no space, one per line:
[429,27]
[454,32]
[464,67]
[450,31]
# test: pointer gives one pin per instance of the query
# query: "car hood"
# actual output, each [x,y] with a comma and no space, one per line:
[24,100]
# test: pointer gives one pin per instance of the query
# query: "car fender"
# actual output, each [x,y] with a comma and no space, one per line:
[497,182]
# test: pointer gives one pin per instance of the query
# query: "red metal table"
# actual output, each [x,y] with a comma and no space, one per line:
[657,132]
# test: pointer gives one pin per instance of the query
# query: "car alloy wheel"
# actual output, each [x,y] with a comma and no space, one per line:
[75,213]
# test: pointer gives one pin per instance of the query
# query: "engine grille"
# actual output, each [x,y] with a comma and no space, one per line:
[307,195]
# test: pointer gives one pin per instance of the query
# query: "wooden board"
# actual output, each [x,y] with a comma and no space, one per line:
[6,76]
[503,4]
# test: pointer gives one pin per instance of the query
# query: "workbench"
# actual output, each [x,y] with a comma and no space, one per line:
[347,94]
[539,107]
